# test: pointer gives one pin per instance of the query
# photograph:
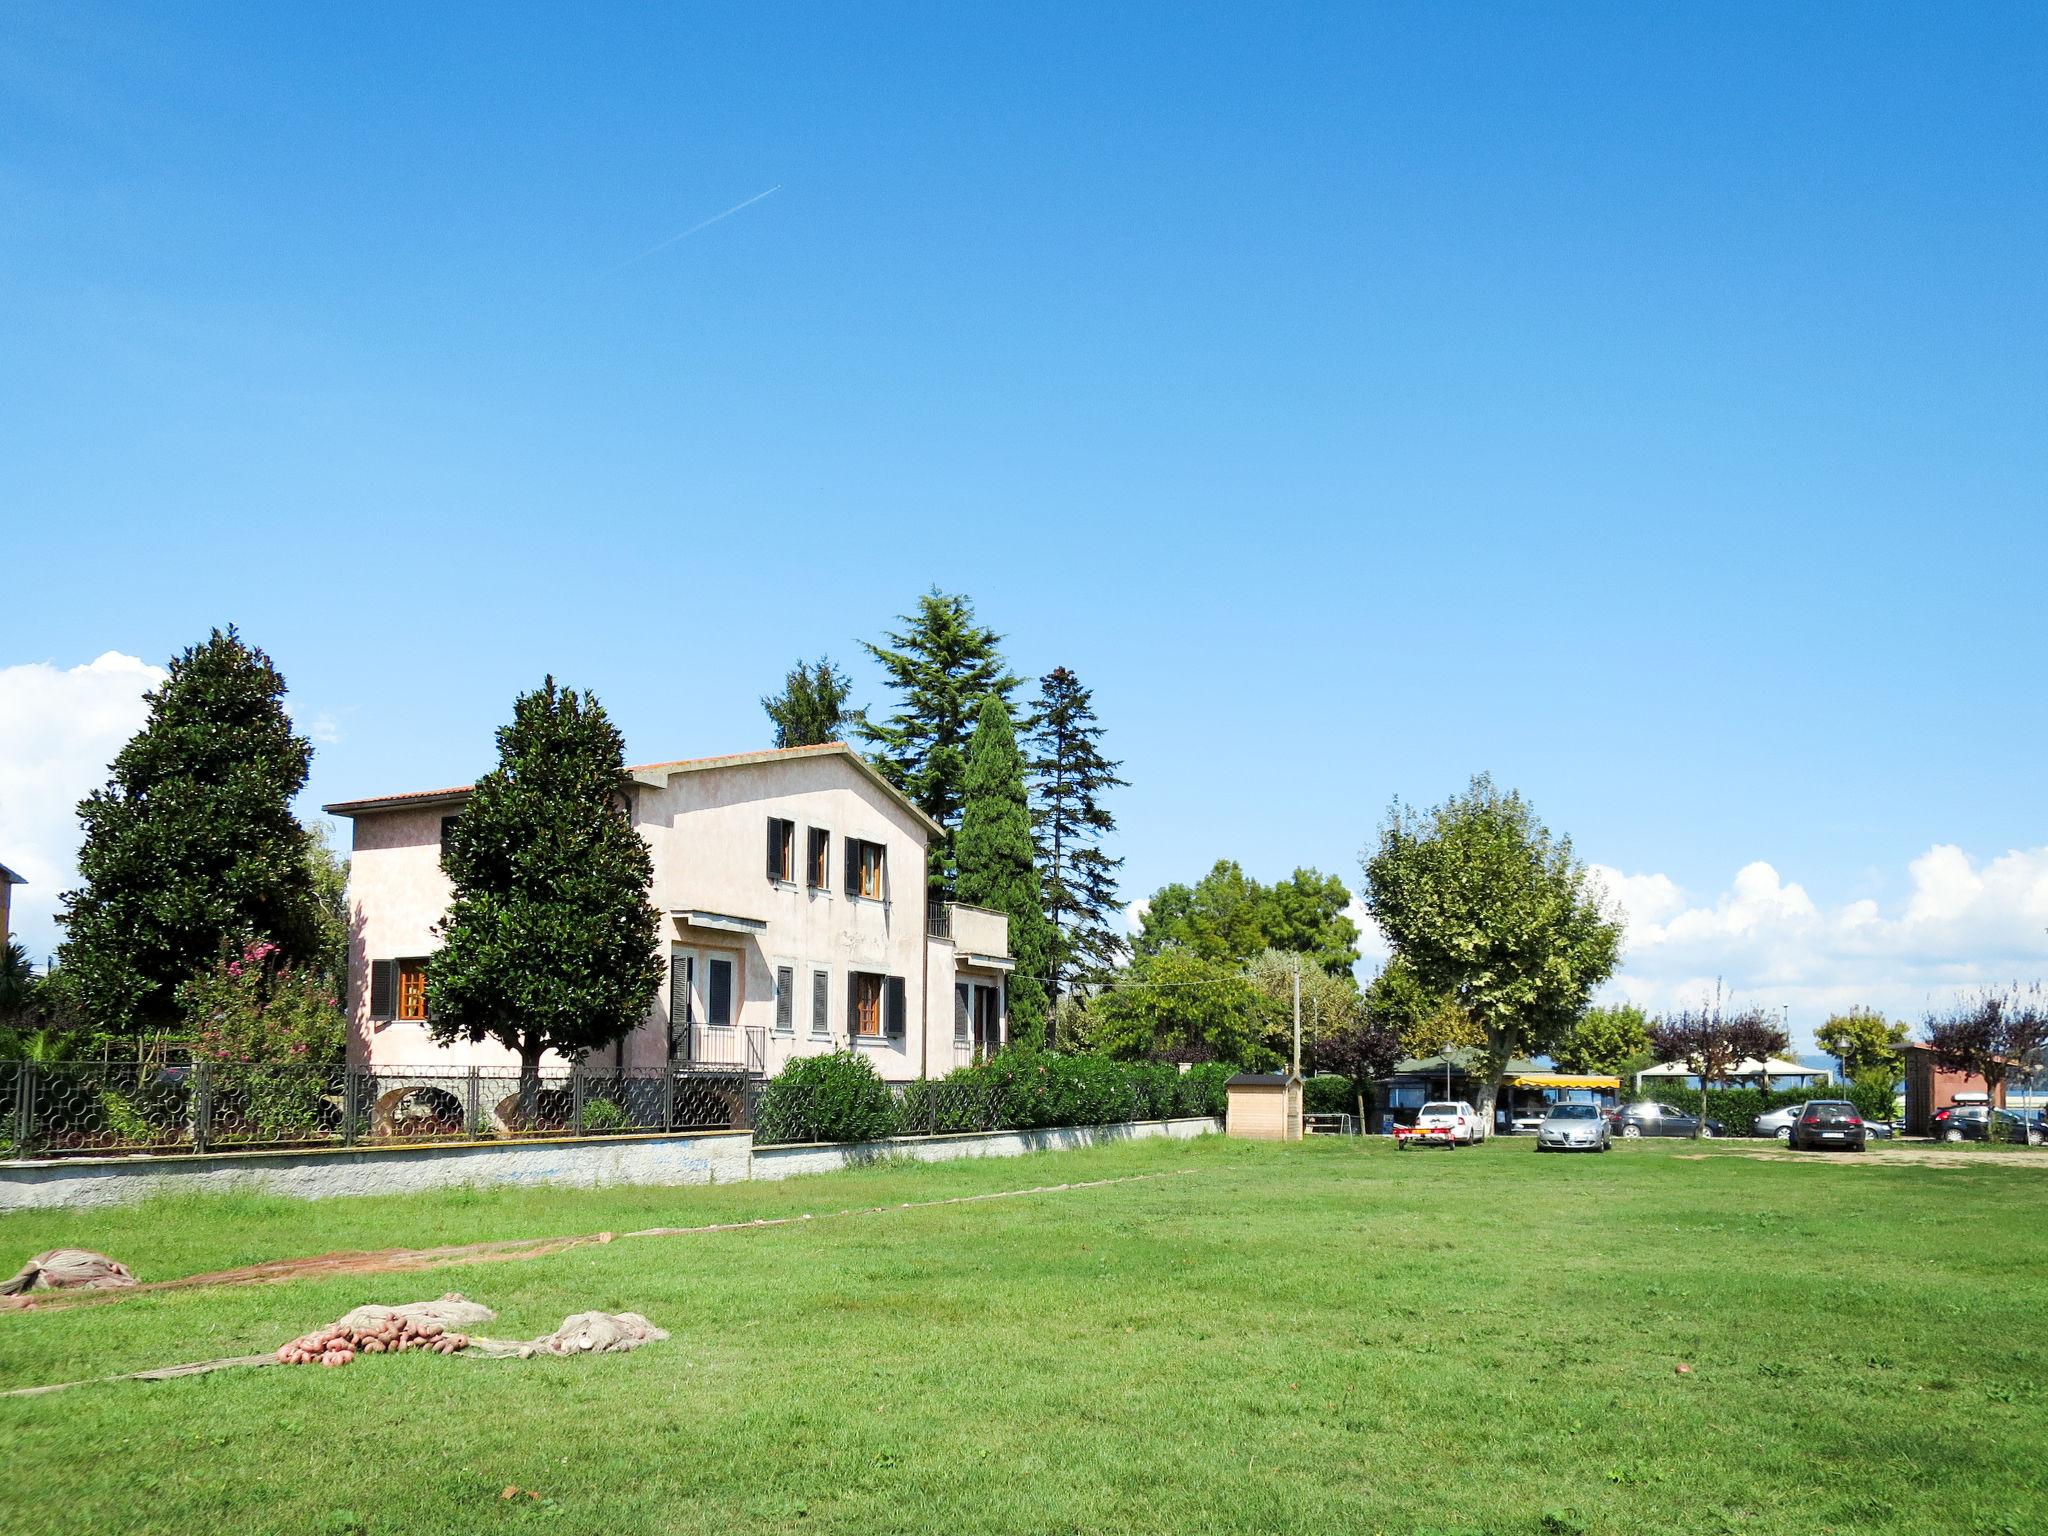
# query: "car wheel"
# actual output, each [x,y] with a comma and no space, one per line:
[2033,1138]
[1706,1133]
[1631,1132]
[1952,1134]
[1785,1134]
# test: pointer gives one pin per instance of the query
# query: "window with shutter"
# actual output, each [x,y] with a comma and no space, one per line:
[821,1003]
[852,865]
[871,870]
[781,849]
[412,989]
[897,1010]
[867,1004]
[785,997]
[818,869]
[383,988]
[961,994]
[718,992]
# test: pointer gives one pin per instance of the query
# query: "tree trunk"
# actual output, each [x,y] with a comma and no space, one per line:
[529,1081]
[1495,1067]
[1700,1130]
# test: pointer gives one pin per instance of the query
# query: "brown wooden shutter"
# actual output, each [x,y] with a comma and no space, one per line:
[383,988]
[896,1010]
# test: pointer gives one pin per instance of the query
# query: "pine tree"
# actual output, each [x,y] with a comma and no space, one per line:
[1069,774]
[997,868]
[942,665]
[811,709]
[549,942]
[192,845]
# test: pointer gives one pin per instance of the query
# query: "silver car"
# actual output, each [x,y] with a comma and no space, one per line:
[1573,1128]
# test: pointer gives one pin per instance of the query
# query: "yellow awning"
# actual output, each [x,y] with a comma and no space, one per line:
[1562,1080]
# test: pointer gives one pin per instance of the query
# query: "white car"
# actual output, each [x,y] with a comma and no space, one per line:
[1458,1118]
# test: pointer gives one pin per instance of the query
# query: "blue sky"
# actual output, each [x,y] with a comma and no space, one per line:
[1648,408]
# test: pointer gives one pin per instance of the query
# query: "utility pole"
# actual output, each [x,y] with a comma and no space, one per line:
[1297,1018]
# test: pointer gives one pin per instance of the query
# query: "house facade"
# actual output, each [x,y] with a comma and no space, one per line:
[794,920]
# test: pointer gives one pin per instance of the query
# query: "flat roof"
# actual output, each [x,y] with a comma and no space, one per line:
[654,775]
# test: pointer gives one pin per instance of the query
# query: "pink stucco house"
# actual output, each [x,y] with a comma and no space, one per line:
[794,919]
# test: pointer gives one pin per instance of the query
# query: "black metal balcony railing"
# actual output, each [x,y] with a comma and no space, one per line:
[938,919]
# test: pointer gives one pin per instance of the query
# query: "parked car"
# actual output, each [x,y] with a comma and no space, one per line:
[1457,1117]
[1573,1128]
[1828,1123]
[1971,1122]
[1653,1119]
[1778,1122]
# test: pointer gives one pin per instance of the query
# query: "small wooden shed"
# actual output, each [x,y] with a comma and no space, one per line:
[1265,1106]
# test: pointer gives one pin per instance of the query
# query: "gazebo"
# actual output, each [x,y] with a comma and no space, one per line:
[1776,1071]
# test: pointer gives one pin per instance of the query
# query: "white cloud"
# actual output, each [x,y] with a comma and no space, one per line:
[59,729]
[1964,924]
[1134,914]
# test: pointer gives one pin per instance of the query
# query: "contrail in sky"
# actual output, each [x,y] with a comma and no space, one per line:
[672,239]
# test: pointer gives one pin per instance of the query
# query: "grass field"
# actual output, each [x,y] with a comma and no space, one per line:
[1328,1337]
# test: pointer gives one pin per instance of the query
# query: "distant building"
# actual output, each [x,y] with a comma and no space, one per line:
[1931,1086]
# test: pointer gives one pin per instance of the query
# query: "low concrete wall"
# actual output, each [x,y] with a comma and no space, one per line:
[717,1157]
[828,1157]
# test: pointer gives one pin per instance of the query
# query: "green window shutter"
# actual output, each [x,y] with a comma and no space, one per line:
[852,845]
[895,1009]
[774,848]
[960,1013]
[785,997]
[821,1002]
[852,1006]
[383,988]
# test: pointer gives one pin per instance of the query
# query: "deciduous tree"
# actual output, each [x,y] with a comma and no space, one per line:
[191,847]
[1069,776]
[942,664]
[996,864]
[1712,1043]
[548,944]
[812,707]
[1228,916]
[1490,909]
[1178,1006]
[1994,1036]
[1602,1040]
[1867,1044]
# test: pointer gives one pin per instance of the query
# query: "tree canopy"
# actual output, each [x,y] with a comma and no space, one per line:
[1603,1040]
[1489,908]
[812,707]
[1179,1006]
[191,847]
[1868,1045]
[1069,776]
[549,942]
[942,664]
[996,866]
[1329,1004]
[1228,916]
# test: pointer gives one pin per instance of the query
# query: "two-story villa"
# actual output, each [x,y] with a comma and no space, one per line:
[794,919]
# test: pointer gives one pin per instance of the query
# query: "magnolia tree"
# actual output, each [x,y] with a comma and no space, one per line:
[1996,1036]
[1713,1043]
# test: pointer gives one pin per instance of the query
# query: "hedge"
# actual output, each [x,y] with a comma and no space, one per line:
[839,1097]
[1738,1108]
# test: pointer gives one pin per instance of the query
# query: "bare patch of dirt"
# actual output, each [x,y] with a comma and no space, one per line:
[1918,1154]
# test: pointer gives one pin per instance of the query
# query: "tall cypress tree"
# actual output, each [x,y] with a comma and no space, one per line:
[192,844]
[1069,775]
[811,709]
[942,664]
[549,941]
[997,867]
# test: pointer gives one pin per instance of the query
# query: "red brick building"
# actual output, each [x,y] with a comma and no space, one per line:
[1929,1086]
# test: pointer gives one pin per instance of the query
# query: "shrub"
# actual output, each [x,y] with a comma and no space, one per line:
[601,1116]
[1328,1094]
[834,1097]
[1201,1088]
[1157,1086]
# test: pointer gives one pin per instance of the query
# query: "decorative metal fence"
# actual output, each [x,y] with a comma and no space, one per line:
[59,1109]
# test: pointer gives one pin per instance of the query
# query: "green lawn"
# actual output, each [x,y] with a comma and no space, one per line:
[1324,1338]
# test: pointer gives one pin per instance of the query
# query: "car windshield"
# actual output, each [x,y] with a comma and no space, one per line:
[1574,1112]
[1440,1109]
